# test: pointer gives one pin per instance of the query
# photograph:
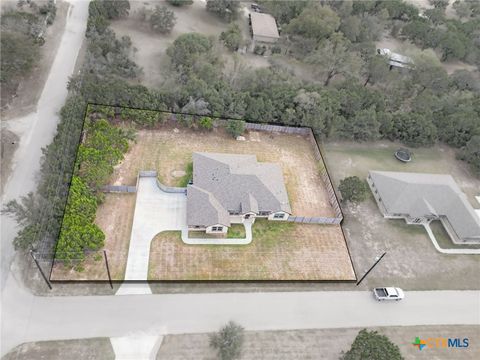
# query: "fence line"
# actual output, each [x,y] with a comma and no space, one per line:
[314,220]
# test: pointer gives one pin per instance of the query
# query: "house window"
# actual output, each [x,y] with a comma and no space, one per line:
[278,216]
[264,213]
[217,228]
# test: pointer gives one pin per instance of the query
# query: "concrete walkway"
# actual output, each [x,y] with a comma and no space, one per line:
[155,211]
[449,251]
[138,347]
[220,241]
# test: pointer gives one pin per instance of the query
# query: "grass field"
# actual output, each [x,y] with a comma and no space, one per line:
[279,251]
[170,153]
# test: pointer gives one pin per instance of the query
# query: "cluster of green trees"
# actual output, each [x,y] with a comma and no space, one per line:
[102,148]
[372,345]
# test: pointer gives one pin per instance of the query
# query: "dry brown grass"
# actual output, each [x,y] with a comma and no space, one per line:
[288,252]
[114,217]
[166,152]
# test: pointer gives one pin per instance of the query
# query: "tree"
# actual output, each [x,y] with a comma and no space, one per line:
[353,189]
[413,129]
[19,54]
[232,37]
[429,73]
[315,21]
[333,57]
[228,341]
[235,127]
[226,9]
[453,45]
[284,11]
[115,9]
[363,126]
[162,20]
[187,48]
[180,2]
[471,154]
[372,345]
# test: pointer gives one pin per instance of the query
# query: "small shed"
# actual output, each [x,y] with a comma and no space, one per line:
[264,27]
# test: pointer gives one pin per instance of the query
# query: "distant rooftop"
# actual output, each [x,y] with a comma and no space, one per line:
[264,25]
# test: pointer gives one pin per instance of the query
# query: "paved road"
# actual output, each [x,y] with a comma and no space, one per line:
[31,318]
[37,129]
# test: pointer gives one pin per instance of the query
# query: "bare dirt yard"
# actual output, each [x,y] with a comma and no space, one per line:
[115,218]
[325,344]
[151,47]
[411,261]
[167,151]
[279,251]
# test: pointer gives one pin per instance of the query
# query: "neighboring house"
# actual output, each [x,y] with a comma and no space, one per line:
[421,198]
[396,60]
[264,27]
[230,188]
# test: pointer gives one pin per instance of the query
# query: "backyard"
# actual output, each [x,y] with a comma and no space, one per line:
[279,251]
[411,258]
[169,152]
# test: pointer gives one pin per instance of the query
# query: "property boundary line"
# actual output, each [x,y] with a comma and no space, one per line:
[260,126]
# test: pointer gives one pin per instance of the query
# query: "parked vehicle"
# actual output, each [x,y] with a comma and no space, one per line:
[256,8]
[388,293]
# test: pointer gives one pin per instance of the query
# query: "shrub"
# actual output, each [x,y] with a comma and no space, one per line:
[162,20]
[260,49]
[228,341]
[235,127]
[353,189]
[276,49]
[206,123]
[232,37]
[372,345]
[180,2]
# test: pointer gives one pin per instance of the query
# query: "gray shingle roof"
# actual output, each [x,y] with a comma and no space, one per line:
[418,195]
[236,183]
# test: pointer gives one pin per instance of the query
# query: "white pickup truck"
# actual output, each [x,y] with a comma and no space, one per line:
[388,293]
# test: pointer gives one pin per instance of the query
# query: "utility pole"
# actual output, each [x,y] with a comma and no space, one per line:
[39,268]
[371,268]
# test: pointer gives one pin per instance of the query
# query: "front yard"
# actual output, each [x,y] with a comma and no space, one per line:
[279,251]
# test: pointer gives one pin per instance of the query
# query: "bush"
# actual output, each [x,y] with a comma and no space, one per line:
[228,341]
[372,345]
[353,189]
[232,37]
[206,123]
[162,20]
[226,9]
[260,49]
[235,127]
[180,2]
[276,49]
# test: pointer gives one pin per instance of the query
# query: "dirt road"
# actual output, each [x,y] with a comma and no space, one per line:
[36,130]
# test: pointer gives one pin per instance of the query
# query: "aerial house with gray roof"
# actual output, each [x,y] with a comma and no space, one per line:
[420,198]
[232,188]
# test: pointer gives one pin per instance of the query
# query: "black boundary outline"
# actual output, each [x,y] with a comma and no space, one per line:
[201,281]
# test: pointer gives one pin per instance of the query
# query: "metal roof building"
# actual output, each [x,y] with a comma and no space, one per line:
[264,27]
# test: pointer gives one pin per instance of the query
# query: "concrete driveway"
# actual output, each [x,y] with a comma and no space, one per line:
[155,211]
